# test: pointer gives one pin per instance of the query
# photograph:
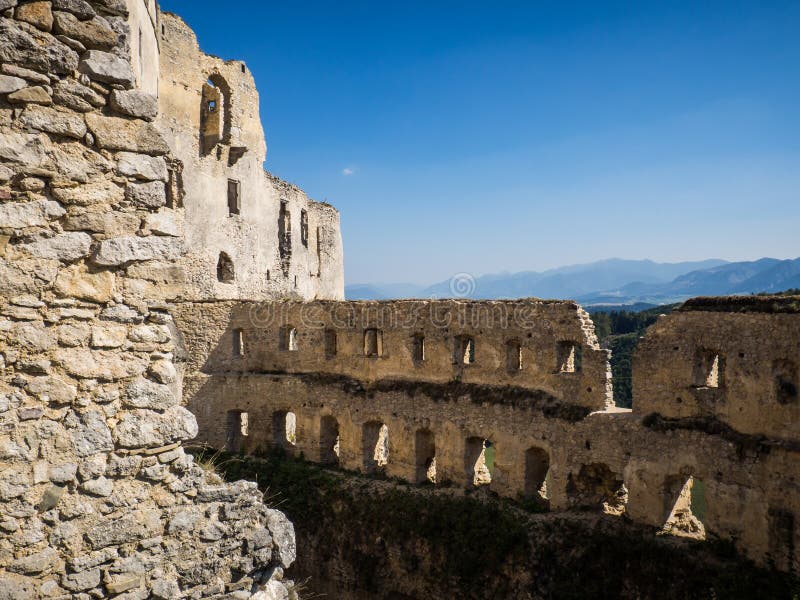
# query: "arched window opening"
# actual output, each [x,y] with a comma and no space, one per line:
[570,357]
[537,473]
[597,486]
[479,461]
[329,440]
[375,438]
[464,350]
[686,506]
[215,113]
[236,429]
[373,342]
[425,452]
[785,372]
[225,271]
[284,429]
[513,356]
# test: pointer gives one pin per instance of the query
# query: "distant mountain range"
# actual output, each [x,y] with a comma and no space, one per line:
[607,282]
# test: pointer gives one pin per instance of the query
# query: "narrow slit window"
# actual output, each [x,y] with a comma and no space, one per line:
[234,197]
[304,228]
[418,348]
[513,356]
[238,342]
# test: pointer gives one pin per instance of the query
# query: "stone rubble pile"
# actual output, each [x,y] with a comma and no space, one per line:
[97,496]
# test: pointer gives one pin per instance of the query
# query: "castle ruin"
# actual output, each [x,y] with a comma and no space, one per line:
[158,286]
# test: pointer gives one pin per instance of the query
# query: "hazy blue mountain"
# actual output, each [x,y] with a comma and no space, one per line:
[382,291]
[574,280]
[610,282]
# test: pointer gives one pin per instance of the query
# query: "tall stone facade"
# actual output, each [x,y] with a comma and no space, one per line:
[249,235]
[97,496]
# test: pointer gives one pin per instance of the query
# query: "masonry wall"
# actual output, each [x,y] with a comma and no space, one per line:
[97,496]
[756,346]
[209,115]
[634,463]
[516,343]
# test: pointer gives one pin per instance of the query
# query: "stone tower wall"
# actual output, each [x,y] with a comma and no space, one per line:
[97,496]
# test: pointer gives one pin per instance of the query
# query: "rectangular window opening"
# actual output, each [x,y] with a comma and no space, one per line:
[330,343]
[234,197]
[373,342]
[418,348]
[570,357]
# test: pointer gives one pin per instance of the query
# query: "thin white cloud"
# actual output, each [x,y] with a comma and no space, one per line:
[348,171]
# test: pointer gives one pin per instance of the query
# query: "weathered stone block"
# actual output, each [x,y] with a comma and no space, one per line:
[28,47]
[114,133]
[143,393]
[106,67]
[162,223]
[31,95]
[10,84]
[98,487]
[149,168]
[109,336]
[147,195]
[128,528]
[92,435]
[135,103]
[98,191]
[145,428]
[105,366]
[38,14]
[76,282]
[94,33]
[120,251]
[52,390]
[101,219]
[78,582]
[80,8]
[18,215]
[54,121]
[68,246]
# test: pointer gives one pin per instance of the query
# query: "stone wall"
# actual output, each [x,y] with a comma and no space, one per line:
[279,243]
[97,496]
[739,366]
[534,433]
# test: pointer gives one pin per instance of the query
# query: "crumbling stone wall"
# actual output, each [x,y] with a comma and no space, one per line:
[97,496]
[554,438]
[281,243]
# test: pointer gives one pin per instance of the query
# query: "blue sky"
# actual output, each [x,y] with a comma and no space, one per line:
[506,136]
